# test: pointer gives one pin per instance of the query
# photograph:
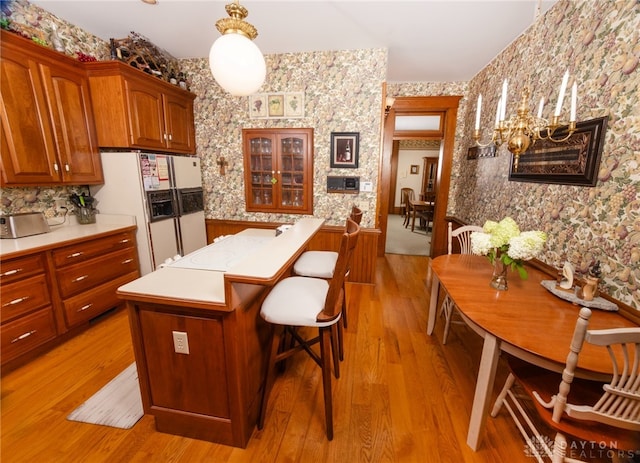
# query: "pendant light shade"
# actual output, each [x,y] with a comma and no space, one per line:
[237,64]
[235,61]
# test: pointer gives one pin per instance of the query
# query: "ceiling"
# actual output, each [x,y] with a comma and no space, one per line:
[427,40]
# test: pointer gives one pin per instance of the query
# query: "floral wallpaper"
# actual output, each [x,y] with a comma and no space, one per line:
[354,105]
[597,41]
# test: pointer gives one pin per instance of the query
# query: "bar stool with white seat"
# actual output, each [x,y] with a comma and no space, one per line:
[321,264]
[297,302]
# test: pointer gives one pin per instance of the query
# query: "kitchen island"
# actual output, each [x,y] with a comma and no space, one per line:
[198,338]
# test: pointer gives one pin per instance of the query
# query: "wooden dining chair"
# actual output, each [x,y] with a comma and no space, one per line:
[426,214]
[406,195]
[296,302]
[605,414]
[448,308]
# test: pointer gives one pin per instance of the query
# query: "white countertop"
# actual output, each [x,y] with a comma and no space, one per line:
[207,286]
[69,231]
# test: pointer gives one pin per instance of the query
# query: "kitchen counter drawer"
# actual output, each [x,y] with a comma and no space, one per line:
[89,304]
[82,251]
[22,297]
[83,276]
[18,269]
[20,336]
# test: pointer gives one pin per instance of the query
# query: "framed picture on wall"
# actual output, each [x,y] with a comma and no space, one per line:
[344,149]
[573,161]
[414,169]
[294,104]
[286,105]
[275,104]
[258,106]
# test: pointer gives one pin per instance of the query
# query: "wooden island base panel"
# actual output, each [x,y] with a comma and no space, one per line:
[212,392]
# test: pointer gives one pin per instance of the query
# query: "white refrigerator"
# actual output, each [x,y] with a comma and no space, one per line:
[164,193]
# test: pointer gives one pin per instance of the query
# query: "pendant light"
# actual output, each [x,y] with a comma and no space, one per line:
[236,62]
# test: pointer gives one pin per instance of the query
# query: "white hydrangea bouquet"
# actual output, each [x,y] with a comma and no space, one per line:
[504,241]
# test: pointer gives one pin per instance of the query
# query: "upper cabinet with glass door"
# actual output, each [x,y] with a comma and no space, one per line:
[278,165]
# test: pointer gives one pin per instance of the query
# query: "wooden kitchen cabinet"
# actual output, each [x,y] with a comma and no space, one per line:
[89,273]
[136,110]
[48,133]
[429,175]
[278,166]
[49,294]
[26,314]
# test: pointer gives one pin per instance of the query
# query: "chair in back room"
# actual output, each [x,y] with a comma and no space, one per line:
[406,195]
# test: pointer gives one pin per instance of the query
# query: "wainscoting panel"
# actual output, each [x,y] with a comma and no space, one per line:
[363,266]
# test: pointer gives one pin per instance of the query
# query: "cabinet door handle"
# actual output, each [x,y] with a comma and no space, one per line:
[22,336]
[170,137]
[55,166]
[128,261]
[11,272]
[165,137]
[124,241]
[67,168]
[75,254]
[83,308]
[15,301]
[80,278]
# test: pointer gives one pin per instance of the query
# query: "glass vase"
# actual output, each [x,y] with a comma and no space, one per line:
[85,215]
[499,277]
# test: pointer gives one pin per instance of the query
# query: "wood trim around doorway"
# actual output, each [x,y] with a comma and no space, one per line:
[448,106]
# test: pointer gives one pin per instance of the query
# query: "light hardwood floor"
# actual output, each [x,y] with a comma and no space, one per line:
[401,397]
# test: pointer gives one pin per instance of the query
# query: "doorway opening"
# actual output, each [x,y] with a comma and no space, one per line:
[446,107]
[414,172]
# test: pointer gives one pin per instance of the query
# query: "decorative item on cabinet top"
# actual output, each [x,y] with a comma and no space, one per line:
[276,105]
[141,53]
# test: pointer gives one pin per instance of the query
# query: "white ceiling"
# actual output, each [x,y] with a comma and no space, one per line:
[427,40]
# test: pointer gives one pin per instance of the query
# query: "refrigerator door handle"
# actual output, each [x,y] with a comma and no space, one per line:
[178,231]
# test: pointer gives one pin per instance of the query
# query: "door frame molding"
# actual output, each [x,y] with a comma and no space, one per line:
[448,106]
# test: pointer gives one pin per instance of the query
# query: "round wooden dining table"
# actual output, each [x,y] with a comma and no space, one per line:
[526,321]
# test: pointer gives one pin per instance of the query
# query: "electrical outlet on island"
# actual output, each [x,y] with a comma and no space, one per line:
[180,342]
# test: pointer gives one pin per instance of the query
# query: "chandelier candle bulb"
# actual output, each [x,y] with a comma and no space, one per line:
[503,109]
[574,101]
[498,113]
[540,108]
[478,109]
[563,88]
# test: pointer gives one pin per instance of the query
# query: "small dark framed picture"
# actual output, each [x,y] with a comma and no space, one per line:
[344,149]
[414,169]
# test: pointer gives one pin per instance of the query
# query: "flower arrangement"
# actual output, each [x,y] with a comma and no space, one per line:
[504,241]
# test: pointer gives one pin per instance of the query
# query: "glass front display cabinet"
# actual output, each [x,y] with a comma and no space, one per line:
[278,166]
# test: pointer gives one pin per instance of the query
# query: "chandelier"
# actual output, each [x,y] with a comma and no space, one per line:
[523,129]
[236,62]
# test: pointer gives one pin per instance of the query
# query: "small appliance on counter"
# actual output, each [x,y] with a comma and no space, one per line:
[23,224]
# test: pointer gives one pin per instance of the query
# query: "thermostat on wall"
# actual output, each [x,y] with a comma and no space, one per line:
[343,185]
